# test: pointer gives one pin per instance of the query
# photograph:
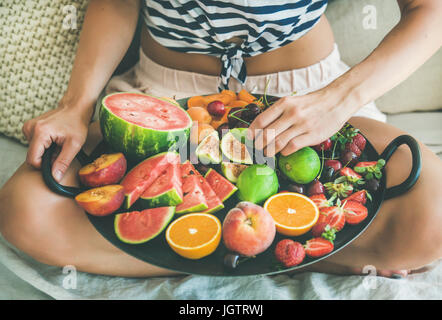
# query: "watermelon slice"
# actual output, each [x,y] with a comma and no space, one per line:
[141,125]
[165,191]
[141,226]
[196,180]
[222,187]
[144,174]
[213,202]
[193,200]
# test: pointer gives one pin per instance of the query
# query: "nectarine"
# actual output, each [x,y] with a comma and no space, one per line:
[248,229]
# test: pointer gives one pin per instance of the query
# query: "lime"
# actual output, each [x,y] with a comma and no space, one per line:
[256,183]
[301,166]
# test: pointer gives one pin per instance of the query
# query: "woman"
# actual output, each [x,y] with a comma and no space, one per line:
[239,44]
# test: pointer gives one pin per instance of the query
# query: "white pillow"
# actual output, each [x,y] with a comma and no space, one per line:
[38,41]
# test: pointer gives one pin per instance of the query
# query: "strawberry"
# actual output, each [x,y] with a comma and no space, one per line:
[359,141]
[370,169]
[320,200]
[318,247]
[338,190]
[354,211]
[360,196]
[349,175]
[364,164]
[348,172]
[289,252]
[333,217]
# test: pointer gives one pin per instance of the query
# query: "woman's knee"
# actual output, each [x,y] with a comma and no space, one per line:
[413,238]
[29,226]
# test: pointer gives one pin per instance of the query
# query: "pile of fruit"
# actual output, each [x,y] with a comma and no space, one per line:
[316,190]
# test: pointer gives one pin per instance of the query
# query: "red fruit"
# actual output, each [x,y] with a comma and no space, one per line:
[348,158]
[216,108]
[353,148]
[359,141]
[360,196]
[355,212]
[325,145]
[334,217]
[320,200]
[318,247]
[289,252]
[316,187]
[348,172]
[366,164]
[335,164]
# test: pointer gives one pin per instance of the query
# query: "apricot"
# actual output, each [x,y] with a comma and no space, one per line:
[199,131]
[199,114]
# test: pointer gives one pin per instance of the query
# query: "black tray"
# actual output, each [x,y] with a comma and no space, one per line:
[158,252]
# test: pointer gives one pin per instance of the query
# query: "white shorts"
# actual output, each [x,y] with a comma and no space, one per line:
[149,77]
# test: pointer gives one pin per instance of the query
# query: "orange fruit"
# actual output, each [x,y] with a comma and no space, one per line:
[196,101]
[246,96]
[199,131]
[237,103]
[225,98]
[194,235]
[294,213]
[230,93]
[199,114]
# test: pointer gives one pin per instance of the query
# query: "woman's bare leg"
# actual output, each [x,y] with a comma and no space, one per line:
[405,235]
[54,230]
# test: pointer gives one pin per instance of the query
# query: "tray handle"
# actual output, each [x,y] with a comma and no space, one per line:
[52,184]
[416,164]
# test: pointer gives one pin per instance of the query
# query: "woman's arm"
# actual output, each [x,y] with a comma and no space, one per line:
[308,120]
[107,32]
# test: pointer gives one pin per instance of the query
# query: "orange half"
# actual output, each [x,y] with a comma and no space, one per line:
[294,213]
[194,235]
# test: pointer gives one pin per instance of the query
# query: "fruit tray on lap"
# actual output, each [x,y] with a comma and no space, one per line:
[158,252]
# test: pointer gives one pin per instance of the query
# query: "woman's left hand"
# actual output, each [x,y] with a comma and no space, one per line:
[294,122]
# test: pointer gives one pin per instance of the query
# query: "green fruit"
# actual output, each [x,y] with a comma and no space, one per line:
[256,183]
[232,170]
[234,150]
[302,166]
[140,125]
[208,149]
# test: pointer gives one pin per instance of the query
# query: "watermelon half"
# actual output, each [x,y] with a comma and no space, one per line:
[141,125]
[144,174]
[141,226]
[165,191]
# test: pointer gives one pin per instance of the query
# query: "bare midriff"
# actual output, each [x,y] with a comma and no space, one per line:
[314,46]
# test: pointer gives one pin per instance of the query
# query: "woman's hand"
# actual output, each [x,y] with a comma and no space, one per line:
[66,126]
[294,122]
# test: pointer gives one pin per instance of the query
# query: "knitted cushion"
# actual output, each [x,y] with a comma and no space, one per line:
[36,56]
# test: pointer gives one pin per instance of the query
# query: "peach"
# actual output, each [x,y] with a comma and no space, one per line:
[101,201]
[248,229]
[105,170]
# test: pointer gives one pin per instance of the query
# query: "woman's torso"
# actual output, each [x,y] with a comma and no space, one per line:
[310,48]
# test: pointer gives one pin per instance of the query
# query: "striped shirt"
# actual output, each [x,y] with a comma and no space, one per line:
[206,26]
